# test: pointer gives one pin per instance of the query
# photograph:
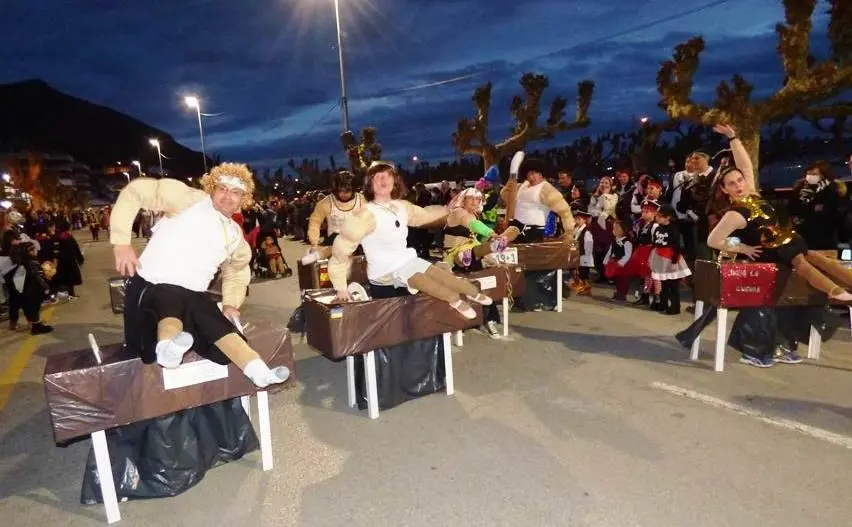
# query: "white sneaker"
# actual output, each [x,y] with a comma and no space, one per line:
[170,352]
[310,258]
[491,329]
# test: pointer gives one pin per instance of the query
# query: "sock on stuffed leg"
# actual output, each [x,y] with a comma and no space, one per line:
[434,288]
[246,359]
[172,342]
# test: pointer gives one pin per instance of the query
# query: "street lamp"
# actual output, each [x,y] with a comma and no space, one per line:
[193,102]
[156,144]
[344,104]
[138,167]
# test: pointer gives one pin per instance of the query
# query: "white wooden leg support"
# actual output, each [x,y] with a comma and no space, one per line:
[372,388]
[350,381]
[265,429]
[814,344]
[105,476]
[506,317]
[460,338]
[721,338]
[245,400]
[448,365]
[559,290]
[696,344]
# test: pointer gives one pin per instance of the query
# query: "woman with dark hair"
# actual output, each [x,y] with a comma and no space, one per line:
[381,228]
[814,207]
[335,209]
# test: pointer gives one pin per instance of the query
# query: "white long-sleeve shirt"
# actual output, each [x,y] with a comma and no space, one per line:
[628,251]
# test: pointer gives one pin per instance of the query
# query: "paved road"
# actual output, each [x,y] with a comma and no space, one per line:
[566,423]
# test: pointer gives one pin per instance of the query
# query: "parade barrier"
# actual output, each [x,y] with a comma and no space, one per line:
[543,256]
[343,331]
[92,390]
[737,285]
[315,275]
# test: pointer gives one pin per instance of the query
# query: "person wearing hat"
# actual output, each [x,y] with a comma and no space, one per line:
[585,242]
[533,200]
[167,307]
[690,195]
[639,265]
[652,190]
[335,209]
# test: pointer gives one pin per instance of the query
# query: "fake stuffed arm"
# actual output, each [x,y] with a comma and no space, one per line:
[236,275]
[419,216]
[158,195]
[462,217]
[356,228]
[321,211]
[554,200]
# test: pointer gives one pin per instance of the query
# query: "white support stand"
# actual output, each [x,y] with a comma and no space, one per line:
[814,344]
[372,388]
[559,290]
[105,476]
[350,381]
[506,317]
[448,365]
[721,338]
[265,430]
[245,400]
[696,344]
[460,338]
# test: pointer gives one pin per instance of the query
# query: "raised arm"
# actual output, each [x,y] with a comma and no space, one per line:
[355,229]
[741,158]
[163,195]
[420,216]
[236,275]
[321,211]
[554,200]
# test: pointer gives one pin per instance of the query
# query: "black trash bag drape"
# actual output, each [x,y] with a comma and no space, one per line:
[755,331]
[540,290]
[405,371]
[168,455]
[794,323]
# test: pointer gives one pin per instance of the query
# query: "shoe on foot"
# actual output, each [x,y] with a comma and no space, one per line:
[759,362]
[481,298]
[170,352]
[40,329]
[491,329]
[786,355]
[844,297]
[464,309]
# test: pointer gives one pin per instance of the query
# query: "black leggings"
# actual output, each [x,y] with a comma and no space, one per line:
[29,303]
[670,295]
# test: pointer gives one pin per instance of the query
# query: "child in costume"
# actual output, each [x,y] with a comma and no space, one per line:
[381,229]
[667,263]
[616,259]
[24,282]
[167,307]
[466,238]
[586,245]
[640,261]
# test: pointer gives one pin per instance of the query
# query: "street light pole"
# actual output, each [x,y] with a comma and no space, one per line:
[193,102]
[156,144]
[344,103]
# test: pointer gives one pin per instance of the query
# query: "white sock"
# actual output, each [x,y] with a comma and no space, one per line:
[262,376]
[170,352]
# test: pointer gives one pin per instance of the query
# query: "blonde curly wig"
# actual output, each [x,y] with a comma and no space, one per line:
[210,181]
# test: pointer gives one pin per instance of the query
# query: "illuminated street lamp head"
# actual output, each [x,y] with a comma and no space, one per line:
[644,120]
[6,177]
[154,142]
[137,163]
[191,101]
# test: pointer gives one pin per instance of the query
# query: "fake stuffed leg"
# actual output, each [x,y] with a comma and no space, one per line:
[835,270]
[246,359]
[437,289]
[803,267]
[459,285]
[172,342]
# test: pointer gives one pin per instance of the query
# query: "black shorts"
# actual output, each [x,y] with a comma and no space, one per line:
[146,304]
[529,233]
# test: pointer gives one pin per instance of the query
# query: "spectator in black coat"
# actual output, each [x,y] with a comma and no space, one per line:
[814,207]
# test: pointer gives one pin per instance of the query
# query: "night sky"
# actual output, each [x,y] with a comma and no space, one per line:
[268,69]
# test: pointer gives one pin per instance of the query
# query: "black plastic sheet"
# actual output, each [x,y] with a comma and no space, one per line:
[540,290]
[755,331]
[169,455]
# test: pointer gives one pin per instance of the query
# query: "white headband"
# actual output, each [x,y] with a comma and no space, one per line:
[232,182]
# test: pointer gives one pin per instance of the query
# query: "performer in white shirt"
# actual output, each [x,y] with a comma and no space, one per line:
[335,209]
[381,228]
[167,307]
[534,199]
[690,195]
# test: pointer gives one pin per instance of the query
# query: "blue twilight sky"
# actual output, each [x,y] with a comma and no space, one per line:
[268,68]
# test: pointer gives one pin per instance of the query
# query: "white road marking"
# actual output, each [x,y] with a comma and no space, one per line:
[812,431]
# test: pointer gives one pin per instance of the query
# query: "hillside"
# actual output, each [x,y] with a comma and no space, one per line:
[37,116]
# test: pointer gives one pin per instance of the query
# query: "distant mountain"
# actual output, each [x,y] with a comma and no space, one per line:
[36,116]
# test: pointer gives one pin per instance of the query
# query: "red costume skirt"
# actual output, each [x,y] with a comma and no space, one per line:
[639,263]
